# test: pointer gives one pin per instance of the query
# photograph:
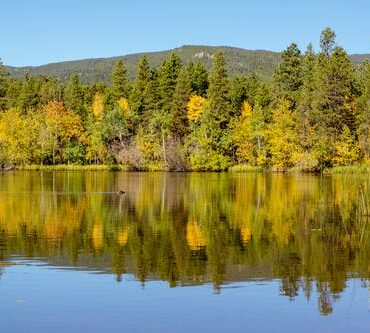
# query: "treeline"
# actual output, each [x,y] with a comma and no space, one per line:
[313,114]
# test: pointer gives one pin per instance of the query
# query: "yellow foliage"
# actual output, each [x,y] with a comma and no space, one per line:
[246,234]
[122,237]
[98,106]
[243,136]
[246,110]
[97,236]
[147,145]
[19,136]
[346,149]
[283,140]
[282,230]
[123,103]
[194,236]
[195,107]
[63,123]
[54,231]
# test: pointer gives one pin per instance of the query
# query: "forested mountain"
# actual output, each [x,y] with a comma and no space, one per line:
[99,69]
[240,61]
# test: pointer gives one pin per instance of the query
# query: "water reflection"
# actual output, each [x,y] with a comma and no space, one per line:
[311,233]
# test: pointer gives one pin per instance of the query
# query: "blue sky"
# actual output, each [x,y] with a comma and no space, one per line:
[34,32]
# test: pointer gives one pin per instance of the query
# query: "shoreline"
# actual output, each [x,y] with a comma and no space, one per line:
[233,169]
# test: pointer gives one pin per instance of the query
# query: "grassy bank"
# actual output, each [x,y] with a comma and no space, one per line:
[234,168]
[72,167]
[246,168]
[348,169]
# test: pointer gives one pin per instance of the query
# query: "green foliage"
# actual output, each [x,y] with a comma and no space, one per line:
[363,131]
[327,41]
[288,75]
[198,77]
[137,96]
[29,96]
[120,83]
[313,115]
[3,87]
[179,108]
[240,61]
[217,114]
[73,96]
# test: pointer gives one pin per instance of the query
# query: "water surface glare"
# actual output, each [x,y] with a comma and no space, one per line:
[198,252]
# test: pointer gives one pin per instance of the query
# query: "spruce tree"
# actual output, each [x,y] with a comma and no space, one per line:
[198,77]
[363,131]
[288,75]
[334,101]
[168,74]
[335,93]
[218,93]
[238,93]
[327,41]
[307,91]
[152,97]
[179,126]
[29,96]
[160,105]
[74,97]
[120,86]
[217,115]
[3,87]
[137,102]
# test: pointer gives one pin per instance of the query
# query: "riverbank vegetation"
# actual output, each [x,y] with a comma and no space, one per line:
[313,115]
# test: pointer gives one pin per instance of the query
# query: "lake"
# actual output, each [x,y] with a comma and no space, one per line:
[184,252]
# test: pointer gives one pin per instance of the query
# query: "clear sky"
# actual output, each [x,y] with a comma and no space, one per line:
[34,32]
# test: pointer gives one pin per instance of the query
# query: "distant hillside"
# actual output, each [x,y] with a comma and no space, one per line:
[99,69]
[92,70]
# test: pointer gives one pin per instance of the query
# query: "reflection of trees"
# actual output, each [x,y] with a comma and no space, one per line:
[288,267]
[325,300]
[192,228]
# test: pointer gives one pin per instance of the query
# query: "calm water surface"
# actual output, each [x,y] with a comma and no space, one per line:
[184,252]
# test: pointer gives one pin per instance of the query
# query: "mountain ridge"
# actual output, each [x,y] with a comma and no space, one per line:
[240,61]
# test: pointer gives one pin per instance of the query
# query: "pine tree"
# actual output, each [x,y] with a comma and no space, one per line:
[288,75]
[335,99]
[152,98]
[327,41]
[120,85]
[217,115]
[73,96]
[198,77]
[3,87]
[148,135]
[140,84]
[308,88]
[210,142]
[29,96]
[363,131]
[179,126]
[168,75]
[238,94]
